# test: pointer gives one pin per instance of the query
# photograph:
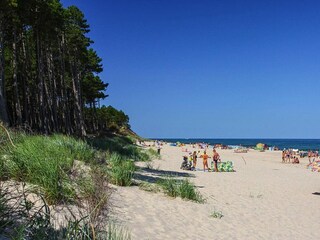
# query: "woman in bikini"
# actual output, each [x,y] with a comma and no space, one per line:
[205,161]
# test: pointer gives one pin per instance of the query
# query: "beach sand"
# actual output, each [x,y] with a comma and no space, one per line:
[263,199]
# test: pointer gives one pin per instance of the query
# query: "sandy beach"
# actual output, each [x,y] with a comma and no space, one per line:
[263,199]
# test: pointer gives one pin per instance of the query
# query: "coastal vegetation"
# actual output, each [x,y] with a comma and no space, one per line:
[60,170]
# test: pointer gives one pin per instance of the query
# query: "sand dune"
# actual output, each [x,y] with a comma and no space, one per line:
[263,199]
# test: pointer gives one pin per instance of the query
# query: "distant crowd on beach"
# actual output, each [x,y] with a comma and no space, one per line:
[312,156]
[290,156]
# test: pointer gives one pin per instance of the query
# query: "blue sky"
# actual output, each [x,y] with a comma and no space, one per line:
[214,69]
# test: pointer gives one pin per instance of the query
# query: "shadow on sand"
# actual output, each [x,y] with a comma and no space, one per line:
[316,193]
[154,175]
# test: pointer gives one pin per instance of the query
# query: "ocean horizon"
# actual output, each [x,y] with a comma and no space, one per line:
[281,143]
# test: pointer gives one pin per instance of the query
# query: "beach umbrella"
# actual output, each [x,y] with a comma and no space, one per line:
[260,146]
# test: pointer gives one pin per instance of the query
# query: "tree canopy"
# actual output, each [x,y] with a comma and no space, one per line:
[49,72]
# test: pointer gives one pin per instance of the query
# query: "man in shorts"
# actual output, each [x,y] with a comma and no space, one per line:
[216,158]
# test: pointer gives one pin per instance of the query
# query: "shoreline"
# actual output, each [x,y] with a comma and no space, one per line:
[281,144]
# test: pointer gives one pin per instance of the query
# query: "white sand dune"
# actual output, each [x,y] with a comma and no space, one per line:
[263,199]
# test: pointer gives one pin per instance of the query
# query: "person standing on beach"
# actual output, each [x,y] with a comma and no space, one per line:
[283,156]
[205,157]
[216,158]
[309,156]
[194,158]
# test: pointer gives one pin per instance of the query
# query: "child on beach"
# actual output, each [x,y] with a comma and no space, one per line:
[205,161]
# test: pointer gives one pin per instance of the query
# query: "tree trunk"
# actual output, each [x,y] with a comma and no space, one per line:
[17,106]
[42,126]
[25,82]
[3,103]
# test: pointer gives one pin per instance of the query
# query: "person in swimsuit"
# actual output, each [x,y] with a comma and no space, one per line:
[194,158]
[283,156]
[205,161]
[216,158]
[309,156]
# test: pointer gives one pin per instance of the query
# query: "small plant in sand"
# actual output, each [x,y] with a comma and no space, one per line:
[216,214]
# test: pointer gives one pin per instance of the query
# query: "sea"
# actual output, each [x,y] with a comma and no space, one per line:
[301,144]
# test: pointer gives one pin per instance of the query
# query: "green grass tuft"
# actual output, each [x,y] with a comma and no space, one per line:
[182,188]
[121,171]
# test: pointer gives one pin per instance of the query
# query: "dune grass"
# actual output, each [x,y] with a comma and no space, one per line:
[121,170]
[45,161]
[180,188]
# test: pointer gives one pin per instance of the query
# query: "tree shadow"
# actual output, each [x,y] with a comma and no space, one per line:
[154,175]
[159,172]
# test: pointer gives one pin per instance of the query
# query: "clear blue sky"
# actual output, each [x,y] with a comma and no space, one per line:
[211,68]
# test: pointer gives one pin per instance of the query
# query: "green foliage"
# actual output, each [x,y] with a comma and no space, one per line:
[107,118]
[47,55]
[121,171]
[46,161]
[183,188]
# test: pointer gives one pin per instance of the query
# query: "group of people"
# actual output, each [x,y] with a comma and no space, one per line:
[191,162]
[312,156]
[289,157]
